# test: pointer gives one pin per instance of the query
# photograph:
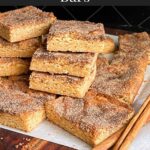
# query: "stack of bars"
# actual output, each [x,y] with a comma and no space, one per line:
[20,32]
[67,64]
[91,96]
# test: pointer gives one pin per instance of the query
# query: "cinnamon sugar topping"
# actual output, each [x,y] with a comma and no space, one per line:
[24,16]
[68,57]
[138,42]
[17,98]
[124,74]
[85,29]
[15,102]
[91,116]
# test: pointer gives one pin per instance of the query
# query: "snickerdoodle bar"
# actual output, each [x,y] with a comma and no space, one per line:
[21,107]
[78,36]
[22,49]
[62,84]
[13,66]
[75,64]
[93,119]
[25,23]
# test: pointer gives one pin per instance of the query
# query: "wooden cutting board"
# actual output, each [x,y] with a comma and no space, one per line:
[10,140]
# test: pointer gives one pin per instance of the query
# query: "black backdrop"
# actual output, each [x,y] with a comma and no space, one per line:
[130,18]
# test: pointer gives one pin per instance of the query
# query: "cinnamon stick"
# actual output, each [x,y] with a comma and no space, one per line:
[134,131]
[134,126]
[109,142]
[148,120]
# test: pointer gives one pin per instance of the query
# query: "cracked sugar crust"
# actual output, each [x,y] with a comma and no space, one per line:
[25,16]
[134,42]
[114,79]
[83,28]
[68,57]
[122,76]
[92,115]
[119,78]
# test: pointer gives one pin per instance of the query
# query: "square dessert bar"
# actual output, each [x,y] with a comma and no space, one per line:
[21,107]
[19,110]
[77,36]
[24,23]
[22,49]
[21,83]
[13,66]
[122,77]
[61,84]
[91,120]
[75,64]
[135,42]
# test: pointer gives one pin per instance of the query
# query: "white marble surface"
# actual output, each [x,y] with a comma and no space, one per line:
[51,132]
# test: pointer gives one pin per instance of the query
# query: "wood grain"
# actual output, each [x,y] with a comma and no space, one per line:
[10,140]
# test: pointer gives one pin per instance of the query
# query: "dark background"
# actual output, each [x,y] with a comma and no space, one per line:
[133,18]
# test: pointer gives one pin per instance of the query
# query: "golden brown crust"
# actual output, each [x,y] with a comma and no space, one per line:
[24,17]
[22,49]
[83,28]
[136,42]
[122,77]
[15,102]
[77,36]
[25,121]
[63,63]
[21,84]
[13,66]
[25,23]
[93,120]
[140,41]
[7,60]
[62,84]
[21,107]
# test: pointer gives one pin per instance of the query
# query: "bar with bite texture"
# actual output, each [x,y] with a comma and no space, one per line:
[22,49]
[61,84]
[78,36]
[91,120]
[21,107]
[75,64]
[24,23]
[13,66]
